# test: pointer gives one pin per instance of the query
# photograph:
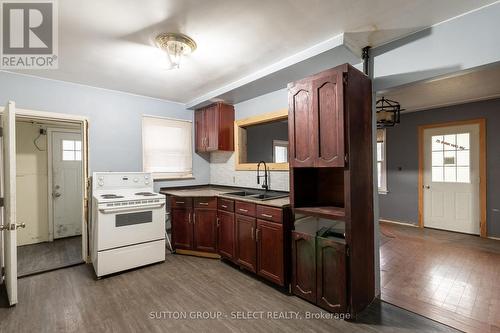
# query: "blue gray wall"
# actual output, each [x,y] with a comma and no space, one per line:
[260,139]
[400,204]
[115,139]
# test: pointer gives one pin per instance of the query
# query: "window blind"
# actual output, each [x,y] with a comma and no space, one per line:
[167,147]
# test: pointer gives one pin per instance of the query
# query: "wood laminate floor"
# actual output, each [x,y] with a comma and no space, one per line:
[44,256]
[72,300]
[450,277]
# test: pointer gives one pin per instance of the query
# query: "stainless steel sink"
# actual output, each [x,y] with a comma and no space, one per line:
[242,193]
[259,195]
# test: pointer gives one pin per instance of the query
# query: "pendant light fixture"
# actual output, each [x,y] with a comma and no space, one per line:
[176,45]
[388,112]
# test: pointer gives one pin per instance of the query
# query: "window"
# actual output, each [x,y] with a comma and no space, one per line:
[381,162]
[167,149]
[71,150]
[451,158]
[280,151]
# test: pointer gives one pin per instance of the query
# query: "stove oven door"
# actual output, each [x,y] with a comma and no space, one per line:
[122,226]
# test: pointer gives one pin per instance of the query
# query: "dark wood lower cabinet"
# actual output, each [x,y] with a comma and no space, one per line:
[252,236]
[270,263]
[245,242]
[182,228]
[331,275]
[304,266]
[226,233]
[205,230]
[319,271]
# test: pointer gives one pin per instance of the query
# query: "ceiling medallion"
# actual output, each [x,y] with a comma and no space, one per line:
[176,45]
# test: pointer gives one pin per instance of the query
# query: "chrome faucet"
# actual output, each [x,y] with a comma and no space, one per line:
[264,186]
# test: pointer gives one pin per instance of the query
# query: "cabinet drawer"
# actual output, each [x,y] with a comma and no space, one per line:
[225,204]
[182,202]
[245,208]
[269,213]
[205,203]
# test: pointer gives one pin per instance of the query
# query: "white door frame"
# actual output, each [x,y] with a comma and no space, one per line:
[84,125]
[482,168]
[50,201]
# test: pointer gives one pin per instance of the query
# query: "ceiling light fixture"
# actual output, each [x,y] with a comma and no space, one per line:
[388,113]
[176,45]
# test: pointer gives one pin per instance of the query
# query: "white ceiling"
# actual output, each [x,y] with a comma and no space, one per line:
[108,43]
[459,88]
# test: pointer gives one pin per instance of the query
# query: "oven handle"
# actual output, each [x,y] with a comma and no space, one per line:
[123,209]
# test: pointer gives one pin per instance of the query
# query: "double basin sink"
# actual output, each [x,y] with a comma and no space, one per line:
[258,195]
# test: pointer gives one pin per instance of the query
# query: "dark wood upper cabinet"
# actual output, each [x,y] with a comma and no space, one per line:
[328,106]
[304,266]
[245,242]
[316,121]
[269,236]
[331,275]
[182,228]
[226,233]
[301,128]
[205,230]
[214,128]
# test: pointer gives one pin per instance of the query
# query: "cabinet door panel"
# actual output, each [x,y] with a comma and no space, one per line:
[182,229]
[331,275]
[301,133]
[205,230]
[212,128]
[328,105]
[304,266]
[199,132]
[270,263]
[226,234]
[245,242]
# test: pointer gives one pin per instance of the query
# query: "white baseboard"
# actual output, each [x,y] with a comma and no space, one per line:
[407,224]
[495,238]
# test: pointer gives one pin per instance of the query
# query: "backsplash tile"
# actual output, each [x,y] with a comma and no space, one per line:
[222,172]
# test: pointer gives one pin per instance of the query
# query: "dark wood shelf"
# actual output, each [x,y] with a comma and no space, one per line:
[329,212]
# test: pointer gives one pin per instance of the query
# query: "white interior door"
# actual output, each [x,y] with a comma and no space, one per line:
[451,178]
[8,223]
[66,183]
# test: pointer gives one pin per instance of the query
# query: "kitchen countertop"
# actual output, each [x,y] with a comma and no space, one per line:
[214,191]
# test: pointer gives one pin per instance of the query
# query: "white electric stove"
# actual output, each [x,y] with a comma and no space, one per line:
[128,222]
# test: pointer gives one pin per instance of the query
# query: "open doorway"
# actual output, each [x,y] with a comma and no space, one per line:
[50,158]
[439,243]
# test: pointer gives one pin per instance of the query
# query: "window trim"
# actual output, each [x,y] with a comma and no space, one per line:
[158,176]
[382,188]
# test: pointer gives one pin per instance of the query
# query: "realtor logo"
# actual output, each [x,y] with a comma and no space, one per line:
[29,34]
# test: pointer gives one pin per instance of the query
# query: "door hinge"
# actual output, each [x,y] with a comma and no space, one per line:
[347,252]
[346,158]
[1,202]
[3,271]
[344,78]
[1,132]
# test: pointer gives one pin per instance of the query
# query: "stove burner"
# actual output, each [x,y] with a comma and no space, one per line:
[111,196]
[145,194]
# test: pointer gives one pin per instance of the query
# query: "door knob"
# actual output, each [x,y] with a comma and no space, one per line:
[56,194]
[427,187]
[20,225]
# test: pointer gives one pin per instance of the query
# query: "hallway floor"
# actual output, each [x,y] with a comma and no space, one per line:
[449,277]
[44,256]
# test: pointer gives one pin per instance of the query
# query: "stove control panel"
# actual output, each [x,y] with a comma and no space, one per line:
[121,180]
